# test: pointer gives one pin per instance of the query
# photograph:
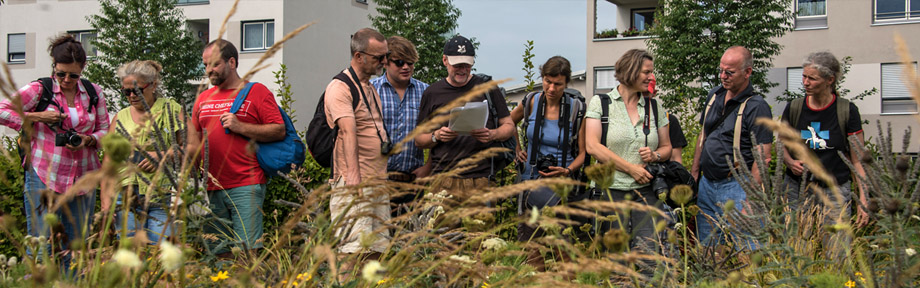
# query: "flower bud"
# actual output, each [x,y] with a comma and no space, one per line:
[681,194]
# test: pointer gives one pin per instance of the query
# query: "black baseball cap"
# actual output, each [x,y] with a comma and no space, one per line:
[460,50]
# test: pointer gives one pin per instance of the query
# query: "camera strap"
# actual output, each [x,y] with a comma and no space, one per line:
[646,124]
[364,97]
[538,126]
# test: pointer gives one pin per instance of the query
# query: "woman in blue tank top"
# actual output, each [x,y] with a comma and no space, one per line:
[555,143]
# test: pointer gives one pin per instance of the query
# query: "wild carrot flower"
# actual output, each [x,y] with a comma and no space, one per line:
[910,251]
[373,272]
[494,244]
[126,258]
[170,256]
[220,276]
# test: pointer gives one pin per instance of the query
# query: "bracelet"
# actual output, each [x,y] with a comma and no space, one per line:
[658,155]
[568,171]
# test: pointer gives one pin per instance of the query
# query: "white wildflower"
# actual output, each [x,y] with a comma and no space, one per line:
[478,222]
[373,272]
[126,258]
[910,251]
[12,261]
[915,217]
[494,244]
[2,258]
[462,259]
[170,256]
[677,210]
[873,246]
[678,226]
[534,215]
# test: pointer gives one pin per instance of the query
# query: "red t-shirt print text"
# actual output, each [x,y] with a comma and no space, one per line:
[214,108]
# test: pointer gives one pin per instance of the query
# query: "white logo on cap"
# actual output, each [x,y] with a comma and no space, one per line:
[461,48]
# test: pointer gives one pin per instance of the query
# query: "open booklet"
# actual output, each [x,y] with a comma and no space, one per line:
[469,117]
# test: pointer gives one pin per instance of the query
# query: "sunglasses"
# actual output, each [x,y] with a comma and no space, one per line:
[378,57]
[137,91]
[727,73]
[67,74]
[400,63]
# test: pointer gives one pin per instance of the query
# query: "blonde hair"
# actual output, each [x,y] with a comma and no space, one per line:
[629,66]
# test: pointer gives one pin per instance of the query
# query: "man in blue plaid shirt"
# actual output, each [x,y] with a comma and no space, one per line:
[400,95]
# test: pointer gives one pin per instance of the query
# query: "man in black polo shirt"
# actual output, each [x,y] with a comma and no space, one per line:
[449,147]
[717,185]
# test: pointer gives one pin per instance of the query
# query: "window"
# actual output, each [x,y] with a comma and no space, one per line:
[604,79]
[643,19]
[86,38]
[183,2]
[895,95]
[896,10]
[794,80]
[810,14]
[258,35]
[605,20]
[16,48]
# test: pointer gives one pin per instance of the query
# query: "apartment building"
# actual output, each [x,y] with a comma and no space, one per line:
[863,30]
[312,58]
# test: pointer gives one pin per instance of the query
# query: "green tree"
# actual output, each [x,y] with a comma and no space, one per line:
[427,23]
[689,37]
[528,66]
[144,30]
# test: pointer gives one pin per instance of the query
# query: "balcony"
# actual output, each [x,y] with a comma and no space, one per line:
[623,19]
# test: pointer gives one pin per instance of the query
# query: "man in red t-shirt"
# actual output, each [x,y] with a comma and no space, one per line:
[236,184]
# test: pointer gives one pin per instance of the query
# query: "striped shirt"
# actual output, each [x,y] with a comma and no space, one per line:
[59,167]
[399,118]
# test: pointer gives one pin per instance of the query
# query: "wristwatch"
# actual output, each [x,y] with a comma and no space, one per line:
[657,155]
[434,139]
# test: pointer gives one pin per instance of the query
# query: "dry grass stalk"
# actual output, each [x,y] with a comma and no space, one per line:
[607,206]
[913,81]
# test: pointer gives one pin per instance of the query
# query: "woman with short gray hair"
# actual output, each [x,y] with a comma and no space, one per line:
[826,122]
[149,113]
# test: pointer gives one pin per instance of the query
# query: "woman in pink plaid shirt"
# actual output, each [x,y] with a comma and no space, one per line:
[51,167]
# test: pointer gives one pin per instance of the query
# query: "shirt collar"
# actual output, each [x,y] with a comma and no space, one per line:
[747,92]
[615,95]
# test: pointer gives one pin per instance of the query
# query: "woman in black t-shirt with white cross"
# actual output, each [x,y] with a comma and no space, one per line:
[818,117]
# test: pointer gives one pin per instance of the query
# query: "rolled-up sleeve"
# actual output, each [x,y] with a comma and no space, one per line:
[102,116]
[29,97]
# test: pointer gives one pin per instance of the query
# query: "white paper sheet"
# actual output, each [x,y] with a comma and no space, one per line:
[470,117]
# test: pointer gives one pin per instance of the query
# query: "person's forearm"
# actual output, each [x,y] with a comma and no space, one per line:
[664,151]
[423,141]
[261,132]
[503,132]
[695,167]
[604,155]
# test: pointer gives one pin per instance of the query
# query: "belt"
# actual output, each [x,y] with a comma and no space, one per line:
[400,176]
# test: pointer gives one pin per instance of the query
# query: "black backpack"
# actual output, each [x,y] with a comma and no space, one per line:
[320,137]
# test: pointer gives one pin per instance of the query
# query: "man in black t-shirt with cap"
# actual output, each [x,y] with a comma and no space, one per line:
[449,147]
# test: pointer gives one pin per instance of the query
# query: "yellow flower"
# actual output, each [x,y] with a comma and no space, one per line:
[382,281]
[485,285]
[850,284]
[220,276]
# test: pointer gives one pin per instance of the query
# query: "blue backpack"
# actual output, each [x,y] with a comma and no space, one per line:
[276,156]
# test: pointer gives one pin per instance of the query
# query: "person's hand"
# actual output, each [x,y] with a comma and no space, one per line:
[445,134]
[229,121]
[796,167]
[862,217]
[146,165]
[483,135]
[48,117]
[422,172]
[521,155]
[639,173]
[554,171]
[85,143]
[647,155]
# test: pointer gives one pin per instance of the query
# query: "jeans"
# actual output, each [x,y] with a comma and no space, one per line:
[712,195]
[154,223]
[75,216]
[241,207]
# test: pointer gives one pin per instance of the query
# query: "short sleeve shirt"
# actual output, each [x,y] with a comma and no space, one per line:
[624,138]
[719,138]
[146,134]
[445,155]
[821,133]
[678,140]
[231,160]
[368,123]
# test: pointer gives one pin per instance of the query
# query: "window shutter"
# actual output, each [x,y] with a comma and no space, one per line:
[794,80]
[17,43]
[895,95]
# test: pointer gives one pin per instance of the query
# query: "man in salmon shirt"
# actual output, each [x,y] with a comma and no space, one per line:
[236,185]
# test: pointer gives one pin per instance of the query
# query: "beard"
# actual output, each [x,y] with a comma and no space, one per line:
[218,79]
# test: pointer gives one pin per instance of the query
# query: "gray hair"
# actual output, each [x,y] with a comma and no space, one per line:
[362,38]
[147,71]
[826,64]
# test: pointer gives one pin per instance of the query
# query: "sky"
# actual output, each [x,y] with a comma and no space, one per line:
[502,28]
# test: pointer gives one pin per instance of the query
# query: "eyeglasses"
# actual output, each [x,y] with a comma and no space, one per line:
[138,91]
[727,73]
[400,63]
[67,74]
[378,57]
